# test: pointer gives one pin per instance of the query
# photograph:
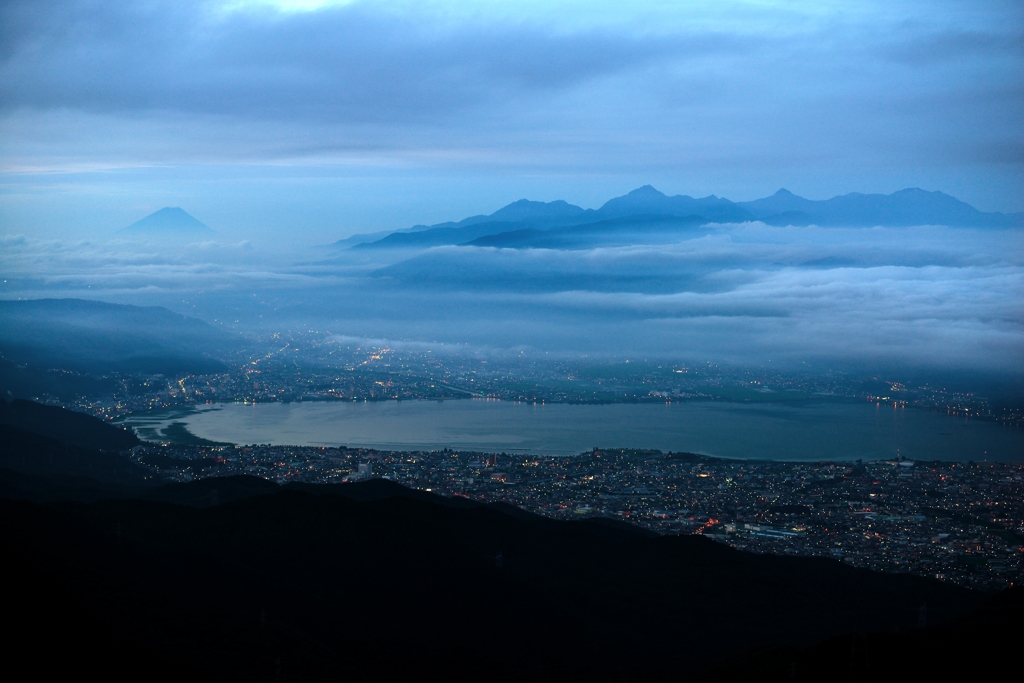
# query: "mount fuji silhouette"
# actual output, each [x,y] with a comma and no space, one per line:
[170,221]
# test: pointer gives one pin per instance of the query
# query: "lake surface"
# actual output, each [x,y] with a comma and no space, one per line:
[825,430]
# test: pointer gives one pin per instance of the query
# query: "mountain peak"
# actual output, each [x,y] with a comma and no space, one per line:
[525,208]
[918,192]
[647,200]
[646,191]
[170,221]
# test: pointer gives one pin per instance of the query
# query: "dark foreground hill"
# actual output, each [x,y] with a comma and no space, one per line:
[34,454]
[373,581]
[51,453]
[979,645]
[77,429]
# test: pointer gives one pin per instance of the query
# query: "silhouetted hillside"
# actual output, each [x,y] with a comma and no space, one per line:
[202,493]
[94,336]
[40,488]
[77,429]
[303,586]
[23,381]
[29,453]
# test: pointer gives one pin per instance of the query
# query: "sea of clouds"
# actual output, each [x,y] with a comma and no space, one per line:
[925,297]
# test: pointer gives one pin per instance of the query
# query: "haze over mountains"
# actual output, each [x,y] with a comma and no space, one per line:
[904,208]
[902,280]
[639,207]
[99,337]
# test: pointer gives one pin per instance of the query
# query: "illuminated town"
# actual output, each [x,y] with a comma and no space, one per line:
[319,366]
[958,522]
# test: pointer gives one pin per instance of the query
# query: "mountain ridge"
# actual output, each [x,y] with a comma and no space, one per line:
[910,206]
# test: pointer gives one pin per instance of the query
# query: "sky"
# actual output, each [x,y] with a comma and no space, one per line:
[309,121]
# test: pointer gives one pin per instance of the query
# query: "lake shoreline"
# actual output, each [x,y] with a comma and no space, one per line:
[826,430]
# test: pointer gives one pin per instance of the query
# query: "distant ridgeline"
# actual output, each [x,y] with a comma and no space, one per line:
[240,578]
[559,224]
[81,336]
[167,223]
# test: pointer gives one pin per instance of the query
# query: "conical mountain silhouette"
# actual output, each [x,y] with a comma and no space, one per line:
[170,221]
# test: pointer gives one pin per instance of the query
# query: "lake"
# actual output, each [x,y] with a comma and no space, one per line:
[817,430]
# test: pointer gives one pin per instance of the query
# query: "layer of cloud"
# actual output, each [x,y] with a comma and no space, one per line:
[924,297]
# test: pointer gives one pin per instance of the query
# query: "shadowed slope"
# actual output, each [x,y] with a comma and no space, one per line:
[29,453]
[979,645]
[65,425]
[325,586]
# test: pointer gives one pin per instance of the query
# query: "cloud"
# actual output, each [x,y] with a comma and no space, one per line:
[721,259]
[54,268]
[347,64]
[958,44]
[920,295]
[570,88]
[923,296]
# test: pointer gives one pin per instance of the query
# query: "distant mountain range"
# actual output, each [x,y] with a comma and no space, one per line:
[168,222]
[559,224]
